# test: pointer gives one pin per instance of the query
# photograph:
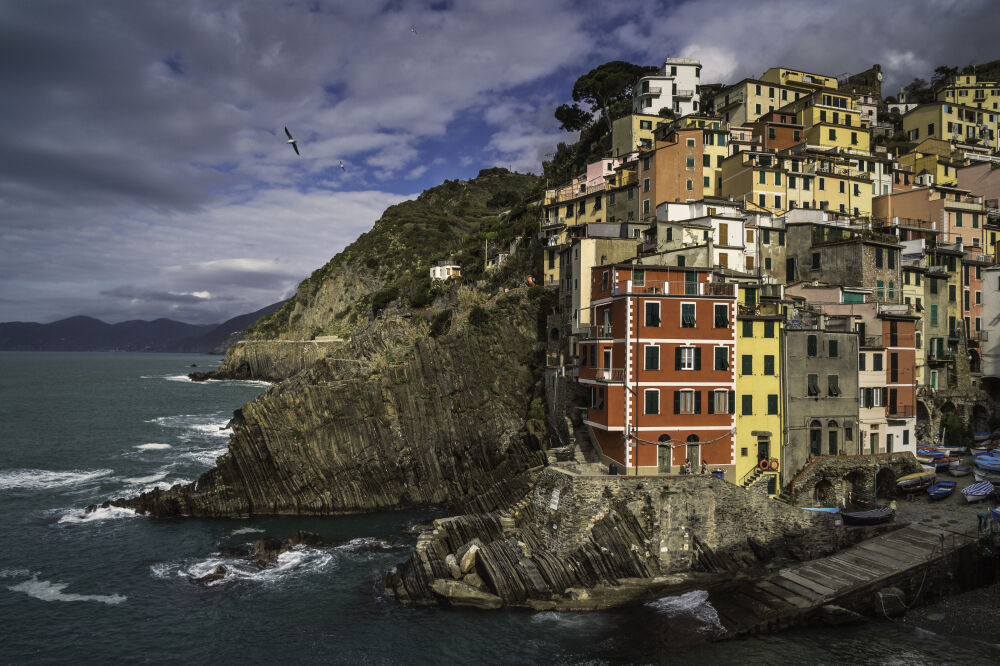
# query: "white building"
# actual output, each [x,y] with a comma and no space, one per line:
[445,271]
[674,87]
[991,322]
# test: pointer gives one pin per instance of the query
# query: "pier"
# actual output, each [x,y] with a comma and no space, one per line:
[882,576]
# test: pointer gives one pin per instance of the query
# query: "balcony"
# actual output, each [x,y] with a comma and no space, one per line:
[900,412]
[964,205]
[650,90]
[684,93]
[673,288]
[610,375]
[600,331]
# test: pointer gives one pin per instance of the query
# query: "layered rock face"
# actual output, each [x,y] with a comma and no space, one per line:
[270,360]
[574,542]
[410,420]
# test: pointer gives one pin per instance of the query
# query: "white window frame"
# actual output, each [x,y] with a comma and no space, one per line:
[694,306]
[720,401]
[646,310]
[687,398]
[687,358]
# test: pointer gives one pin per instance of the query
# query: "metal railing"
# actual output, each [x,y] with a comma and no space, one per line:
[901,411]
[610,375]
[600,331]
[684,92]
[674,288]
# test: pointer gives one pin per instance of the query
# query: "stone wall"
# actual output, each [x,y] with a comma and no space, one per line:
[844,478]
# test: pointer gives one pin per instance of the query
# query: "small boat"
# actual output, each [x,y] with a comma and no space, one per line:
[930,469]
[978,491]
[824,509]
[941,489]
[996,514]
[924,460]
[984,475]
[981,436]
[914,482]
[930,453]
[959,470]
[944,463]
[871,517]
[954,450]
[987,462]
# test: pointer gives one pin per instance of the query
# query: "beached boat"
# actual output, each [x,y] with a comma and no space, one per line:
[944,463]
[871,517]
[930,453]
[824,509]
[985,475]
[954,451]
[959,470]
[930,468]
[978,491]
[987,462]
[941,489]
[914,482]
[995,513]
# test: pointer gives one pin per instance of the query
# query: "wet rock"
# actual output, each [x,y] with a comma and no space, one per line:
[266,551]
[467,560]
[837,615]
[458,593]
[452,563]
[218,573]
[474,580]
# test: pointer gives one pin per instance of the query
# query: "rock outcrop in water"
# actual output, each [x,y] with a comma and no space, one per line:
[403,419]
[578,542]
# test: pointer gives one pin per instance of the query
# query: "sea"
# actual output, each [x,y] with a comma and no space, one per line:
[114,587]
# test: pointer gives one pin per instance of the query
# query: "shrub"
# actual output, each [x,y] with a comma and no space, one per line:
[441,323]
[536,410]
[478,316]
[381,299]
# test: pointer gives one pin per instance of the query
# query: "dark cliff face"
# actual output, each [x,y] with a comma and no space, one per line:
[401,419]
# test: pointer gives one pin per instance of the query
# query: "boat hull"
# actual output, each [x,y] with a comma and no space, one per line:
[873,517]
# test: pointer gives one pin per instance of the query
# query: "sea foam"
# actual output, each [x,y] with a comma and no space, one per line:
[75,516]
[694,605]
[300,561]
[48,591]
[36,479]
[152,446]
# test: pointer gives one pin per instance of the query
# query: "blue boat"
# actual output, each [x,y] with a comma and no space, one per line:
[930,453]
[978,491]
[996,514]
[821,508]
[944,463]
[988,462]
[941,489]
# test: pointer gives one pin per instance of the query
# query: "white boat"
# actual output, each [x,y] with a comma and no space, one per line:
[985,475]
[931,469]
[978,491]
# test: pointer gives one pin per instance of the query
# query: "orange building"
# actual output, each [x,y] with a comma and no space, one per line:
[778,130]
[659,364]
[898,339]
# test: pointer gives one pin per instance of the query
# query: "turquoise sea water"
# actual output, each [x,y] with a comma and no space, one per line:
[79,428]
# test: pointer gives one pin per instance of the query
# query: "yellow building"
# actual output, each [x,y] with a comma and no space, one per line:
[968,90]
[776,183]
[632,131]
[795,77]
[952,122]
[830,119]
[759,401]
[746,101]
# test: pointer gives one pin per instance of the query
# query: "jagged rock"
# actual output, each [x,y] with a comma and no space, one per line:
[218,573]
[266,550]
[458,593]
[304,538]
[421,421]
[474,580]
[453,568]
[468,558]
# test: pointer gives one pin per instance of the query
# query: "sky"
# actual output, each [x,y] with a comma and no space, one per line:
[144,170]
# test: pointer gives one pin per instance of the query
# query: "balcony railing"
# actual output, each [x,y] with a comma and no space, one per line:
[600,331]
[901,412]
[611,375]
[650,90]
[684,93]
[674,288]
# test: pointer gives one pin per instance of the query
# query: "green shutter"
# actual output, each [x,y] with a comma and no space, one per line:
[697,358]
[732,402]
[697,402]
[677,402]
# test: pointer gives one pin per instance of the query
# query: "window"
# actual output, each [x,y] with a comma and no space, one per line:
[768,364]
[878,257]
[833,385]
[951,293]
[706,160]
[812,387]
[685,401]
[652,313]
[822,183]
[645,184]
[707,181]
[815,438]
[876,361]
[689,184]
[772,404]
[747,329]
[690,143]
[652,401]
[722,358]
[796,136]
[721,316]
[777,178]
[777,201]
[811,346]
[768,329]
[652,357]
[688,358]
[832,439]
[720,402]
[762,200]
[689,163]
[833,134]
[645,206]
[687,315]
[815,260]
[747,407]
[833,349]
[861,361]
[841,184]
[762,177]
[747,364]
[934,311]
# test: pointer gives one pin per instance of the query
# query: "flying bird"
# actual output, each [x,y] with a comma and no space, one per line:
[342,167]
[413,30]
[291,140]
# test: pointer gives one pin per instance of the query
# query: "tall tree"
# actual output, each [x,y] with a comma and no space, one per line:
[607,85]
[573,118]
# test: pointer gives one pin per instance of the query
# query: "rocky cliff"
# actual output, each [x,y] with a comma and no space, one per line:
[408,415]
[578,542]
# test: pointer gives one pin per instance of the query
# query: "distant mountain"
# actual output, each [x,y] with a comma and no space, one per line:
[160,335]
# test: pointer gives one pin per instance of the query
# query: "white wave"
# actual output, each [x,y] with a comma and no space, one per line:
[76,516]
[165,484]
[691,604]
[47,591]
[35,479]
[147,479]
[177,378]
[152,446]
[247,530]
[205,456]
[196,427]
[568,620]
[362,544]
[300,561]
[241,382]
[15,573]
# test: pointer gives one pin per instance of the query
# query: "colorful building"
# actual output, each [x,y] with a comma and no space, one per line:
[659,363]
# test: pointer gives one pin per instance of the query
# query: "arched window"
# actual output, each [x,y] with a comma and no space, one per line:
[815,438]
[832,437]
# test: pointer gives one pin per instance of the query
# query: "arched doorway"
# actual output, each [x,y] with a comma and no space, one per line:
[663,454]
[816,438]
[694,452]
[974,361]
[824,493]
[859,487]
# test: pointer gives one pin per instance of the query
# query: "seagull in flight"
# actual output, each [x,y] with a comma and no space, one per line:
[413,30]
[342,167]
[291,140]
